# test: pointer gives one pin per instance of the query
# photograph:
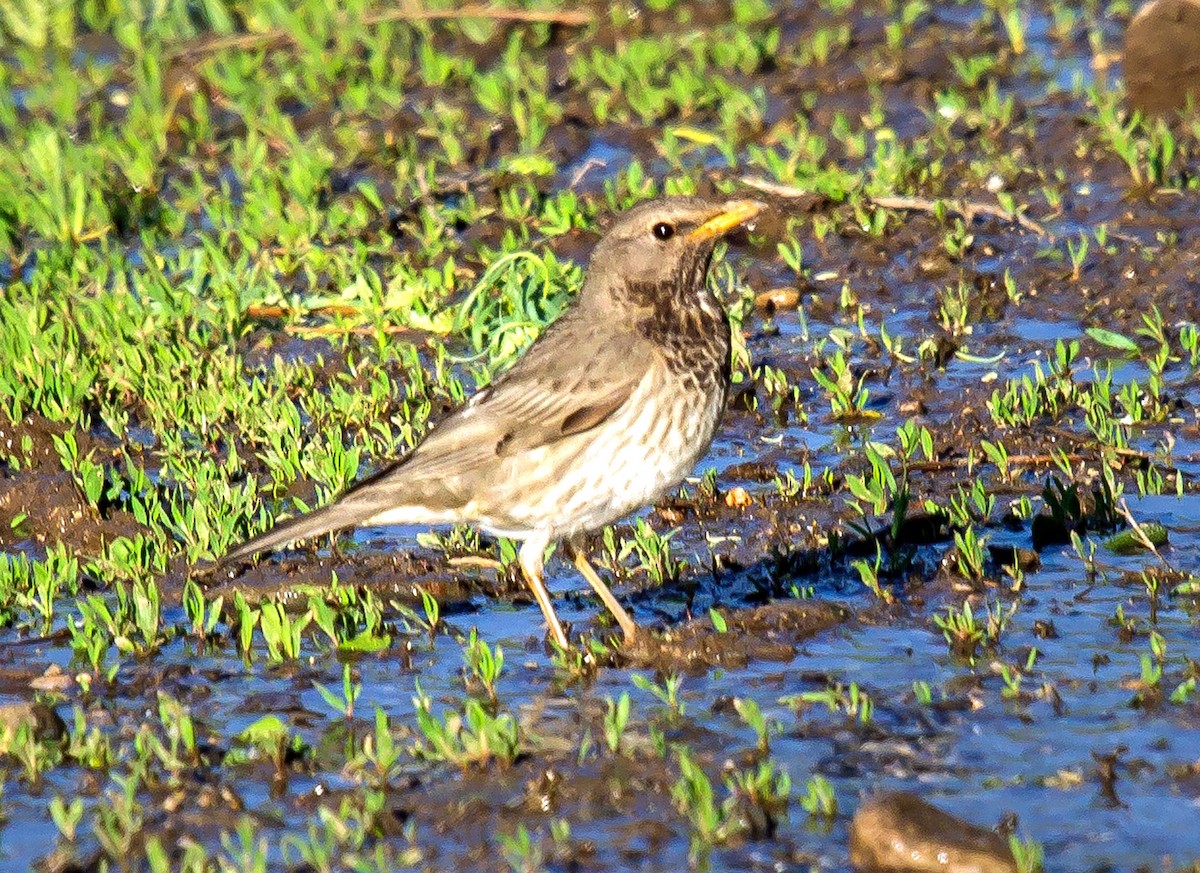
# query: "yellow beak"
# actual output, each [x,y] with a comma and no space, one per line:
[734,213]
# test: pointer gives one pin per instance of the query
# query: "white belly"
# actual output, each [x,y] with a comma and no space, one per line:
[630,460]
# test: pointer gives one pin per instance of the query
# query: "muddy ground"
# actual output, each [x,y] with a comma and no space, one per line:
[1055,727]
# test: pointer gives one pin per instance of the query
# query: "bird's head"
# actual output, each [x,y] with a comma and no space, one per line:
[662,248]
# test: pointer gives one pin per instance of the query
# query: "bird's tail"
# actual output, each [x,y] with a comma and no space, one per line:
[335,516]
[379,498]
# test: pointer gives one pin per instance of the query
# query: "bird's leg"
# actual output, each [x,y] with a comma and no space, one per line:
[530,559]
[628,627]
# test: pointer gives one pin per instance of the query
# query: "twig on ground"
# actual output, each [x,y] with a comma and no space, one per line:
[262,310]
[340,310]
[968,209]
[337,330]
[280,37]
[588,165]
[1118,455]
[1013,461]
[480,561]
[1141,534]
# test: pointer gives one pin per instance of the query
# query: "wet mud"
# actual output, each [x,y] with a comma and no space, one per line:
[1052,720]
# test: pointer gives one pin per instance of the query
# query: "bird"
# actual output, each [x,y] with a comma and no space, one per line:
[611,407]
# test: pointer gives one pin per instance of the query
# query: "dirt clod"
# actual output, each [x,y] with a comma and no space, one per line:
[776,299]
[1162,56]
[898,831]
[767,633]
[38,717]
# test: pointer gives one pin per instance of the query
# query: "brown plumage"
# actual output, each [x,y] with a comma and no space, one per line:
[608,410]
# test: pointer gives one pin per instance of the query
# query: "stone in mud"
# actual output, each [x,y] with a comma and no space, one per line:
[764,633]
[777,299]
[41,719]
[54,679]
[1012,556]
[1162,56]
[898,832]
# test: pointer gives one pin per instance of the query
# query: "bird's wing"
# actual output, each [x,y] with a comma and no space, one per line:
[568,382]
[556,390]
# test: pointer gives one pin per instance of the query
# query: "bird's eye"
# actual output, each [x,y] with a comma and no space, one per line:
[663,230]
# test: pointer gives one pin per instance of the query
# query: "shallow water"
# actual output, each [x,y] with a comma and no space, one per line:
[971,750]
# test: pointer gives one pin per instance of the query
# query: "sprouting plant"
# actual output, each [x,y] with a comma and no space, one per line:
[693,796]
[760,796]
[351,690]
[380,750]
[706,490]
[969,556]
[484,663]
[968,507]
[847,393]
[472,737]
[35,754]
[752,715]
[1085,550]
[997,454]
[869,571]
[957,242]
[962,632]
[119,818]
[245,849]
[1189,342]
[203,613]
[268,736]
[134,623]
[668,692]
[89,477]
[852,700]
[615,719]
[521,852]
[915,438]
[66,816]
[922,692]
[789,487]
[792,255]
[1078,252]
[877,488]
[431,619]
[654,555]
[1011,677]
[180,729]
[246,619]
[1028,855]
[972,70]
[819,798]
[1184,690]
[282,631]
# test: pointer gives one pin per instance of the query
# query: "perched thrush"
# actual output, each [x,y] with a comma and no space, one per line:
[609,409]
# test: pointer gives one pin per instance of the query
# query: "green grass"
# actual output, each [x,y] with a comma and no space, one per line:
[250,252]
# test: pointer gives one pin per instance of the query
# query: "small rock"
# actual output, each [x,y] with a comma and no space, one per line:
[1047,530]
[898,832]
[54,679]
[1026,560]
[777,298]
[41,718]
[1044,630]
[737,498]
[1162,56]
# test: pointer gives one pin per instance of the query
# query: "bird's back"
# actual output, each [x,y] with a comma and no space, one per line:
[532,422]
[595,421]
